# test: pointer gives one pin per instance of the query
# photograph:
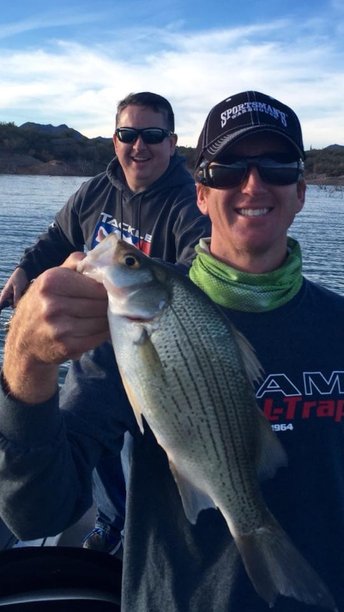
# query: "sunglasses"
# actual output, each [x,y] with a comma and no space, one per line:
[153,135]
[233,173]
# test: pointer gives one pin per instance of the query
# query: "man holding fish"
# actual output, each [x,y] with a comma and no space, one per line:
[147,196]
[222,513]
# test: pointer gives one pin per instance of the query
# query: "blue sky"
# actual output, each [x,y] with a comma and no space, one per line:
[71,61]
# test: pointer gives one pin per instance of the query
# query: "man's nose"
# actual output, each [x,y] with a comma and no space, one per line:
[139,143]
[253,178]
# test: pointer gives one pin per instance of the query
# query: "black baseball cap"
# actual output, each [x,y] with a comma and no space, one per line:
[246,113]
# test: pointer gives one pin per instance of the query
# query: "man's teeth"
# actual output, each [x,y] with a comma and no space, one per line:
[253,212]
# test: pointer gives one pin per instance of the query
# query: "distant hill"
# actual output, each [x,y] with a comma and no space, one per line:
[34,148]
[334,147]
[59,131]
[326,165]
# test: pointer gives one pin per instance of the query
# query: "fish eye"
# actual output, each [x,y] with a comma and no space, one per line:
[131,261]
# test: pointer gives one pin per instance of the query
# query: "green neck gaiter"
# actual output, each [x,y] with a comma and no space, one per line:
[244,291]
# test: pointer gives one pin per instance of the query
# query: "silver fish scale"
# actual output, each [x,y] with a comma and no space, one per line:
[203,411]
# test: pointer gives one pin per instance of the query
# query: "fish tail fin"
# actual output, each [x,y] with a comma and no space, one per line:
[275,568]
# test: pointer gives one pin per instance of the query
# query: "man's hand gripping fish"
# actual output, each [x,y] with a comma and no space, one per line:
[189,373]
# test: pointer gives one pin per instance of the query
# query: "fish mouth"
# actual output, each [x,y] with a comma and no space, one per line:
[139,319]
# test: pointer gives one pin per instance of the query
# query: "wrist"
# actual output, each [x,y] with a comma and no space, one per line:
[28,380]
[35,386]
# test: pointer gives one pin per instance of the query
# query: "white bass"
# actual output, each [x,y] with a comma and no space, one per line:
[189,373]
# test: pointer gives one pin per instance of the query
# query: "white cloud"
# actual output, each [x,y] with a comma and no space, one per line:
[81,85]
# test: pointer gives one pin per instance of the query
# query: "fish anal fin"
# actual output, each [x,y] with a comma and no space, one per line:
[193,499]
[133,400]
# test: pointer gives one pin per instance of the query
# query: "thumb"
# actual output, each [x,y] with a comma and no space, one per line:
[72,260]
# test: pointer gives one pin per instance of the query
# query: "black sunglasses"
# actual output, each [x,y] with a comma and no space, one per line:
[152,135]
[232,173]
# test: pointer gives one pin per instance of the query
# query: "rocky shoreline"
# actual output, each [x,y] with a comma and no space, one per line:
[28,165]
[334,181]
[25,164]
[49,150]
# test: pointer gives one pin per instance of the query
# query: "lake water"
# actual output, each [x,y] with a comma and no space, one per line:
[28,204]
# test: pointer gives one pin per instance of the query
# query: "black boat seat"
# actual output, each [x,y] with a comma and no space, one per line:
[59,578]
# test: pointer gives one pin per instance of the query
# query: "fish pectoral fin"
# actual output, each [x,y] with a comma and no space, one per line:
[134,402]
[152,362]
[193,499]
[148,353]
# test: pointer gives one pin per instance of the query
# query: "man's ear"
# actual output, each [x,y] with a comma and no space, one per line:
[202,203]
[301,192]
[173,143]
[114,140]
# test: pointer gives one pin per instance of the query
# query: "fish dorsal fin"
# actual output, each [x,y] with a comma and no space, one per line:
[271,454]
[253,367]
[193,499]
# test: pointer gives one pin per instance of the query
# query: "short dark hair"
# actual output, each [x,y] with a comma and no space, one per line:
[157,103]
